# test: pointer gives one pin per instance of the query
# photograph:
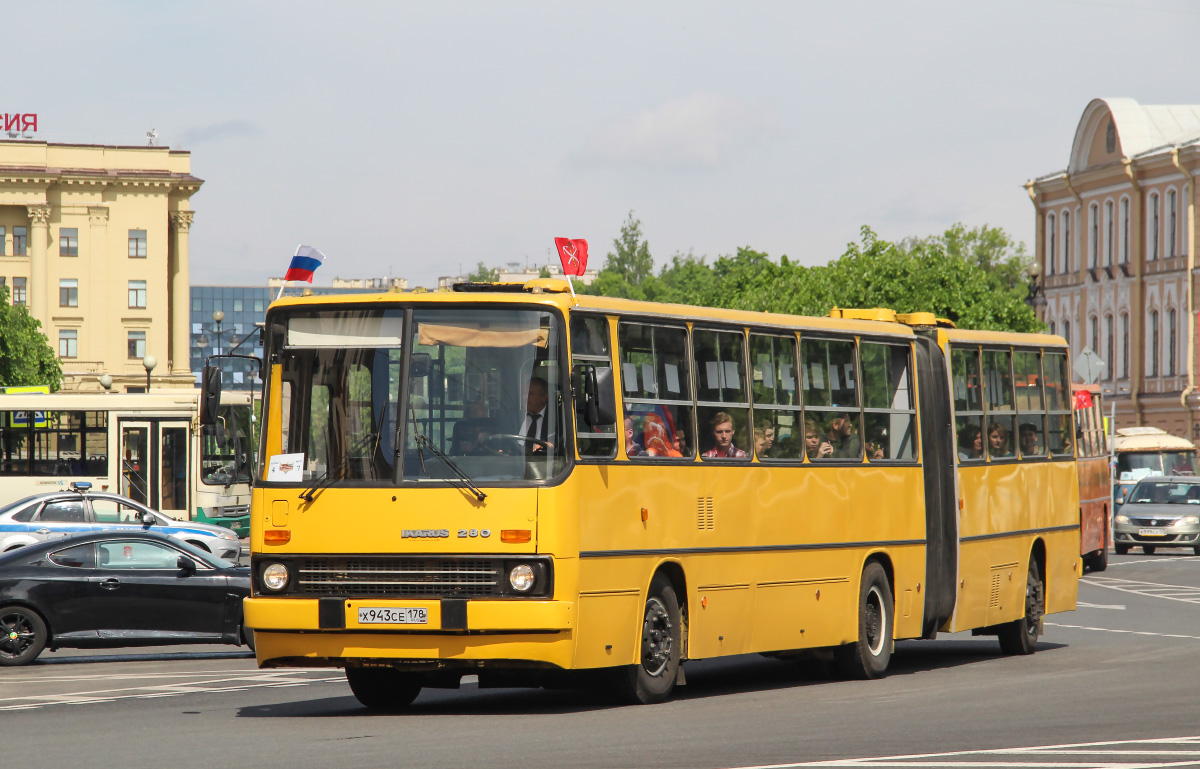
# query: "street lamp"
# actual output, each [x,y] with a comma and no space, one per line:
[149,362]
[217,317]
[1035,292]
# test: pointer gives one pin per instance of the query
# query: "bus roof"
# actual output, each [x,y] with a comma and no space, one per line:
[1149,439]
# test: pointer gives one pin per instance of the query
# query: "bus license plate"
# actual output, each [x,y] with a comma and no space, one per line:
[404,615]
[1151,532]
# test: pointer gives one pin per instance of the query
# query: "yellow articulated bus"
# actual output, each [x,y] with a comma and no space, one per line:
[509,481]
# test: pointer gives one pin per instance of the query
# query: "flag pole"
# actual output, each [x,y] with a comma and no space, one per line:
[571,285]
[281,287]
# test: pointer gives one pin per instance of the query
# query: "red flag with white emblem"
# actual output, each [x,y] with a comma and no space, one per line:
[1083,399]
[573,254]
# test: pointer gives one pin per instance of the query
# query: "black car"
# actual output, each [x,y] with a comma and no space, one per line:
[117,588]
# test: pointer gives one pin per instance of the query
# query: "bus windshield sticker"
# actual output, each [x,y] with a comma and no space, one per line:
[713,374]
[287,468]
[768,374]
[648,382]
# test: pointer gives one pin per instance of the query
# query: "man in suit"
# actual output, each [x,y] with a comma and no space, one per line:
[534,424]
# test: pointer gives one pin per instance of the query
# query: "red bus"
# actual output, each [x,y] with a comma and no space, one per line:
[1095,483]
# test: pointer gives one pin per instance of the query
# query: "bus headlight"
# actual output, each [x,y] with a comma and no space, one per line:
[521,578]
[275,577]
[1122,519]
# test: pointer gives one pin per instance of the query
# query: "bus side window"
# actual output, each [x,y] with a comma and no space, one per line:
[1031,422]
[723,407]
[589,347]
[998,395]
[1060,433]
[656,388]
[778,425]
[829,380]
[888,403]
[968,404]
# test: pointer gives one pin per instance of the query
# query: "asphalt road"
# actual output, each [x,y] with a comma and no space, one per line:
[1115,684]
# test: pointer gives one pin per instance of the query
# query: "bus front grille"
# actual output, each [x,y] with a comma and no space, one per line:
[392,576]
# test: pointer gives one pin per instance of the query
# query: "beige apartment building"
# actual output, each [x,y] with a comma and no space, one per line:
[1116,244]
[94,241]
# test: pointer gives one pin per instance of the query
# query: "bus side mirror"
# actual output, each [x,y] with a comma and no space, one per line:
[420,365]
[600,402]
[210,395]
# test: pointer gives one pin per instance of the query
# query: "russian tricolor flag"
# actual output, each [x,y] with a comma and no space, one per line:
[304,264]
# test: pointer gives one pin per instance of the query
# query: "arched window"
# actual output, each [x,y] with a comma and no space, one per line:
[1066,228]
[1154,225]
[1172,341]
[1066,332]
[1111,347]
[1124,230]
[1153,343]
[1094,245]
[1051,242]
[1124,345]
[1172,211]
[1095,335]
[1108,233]
[1053,330]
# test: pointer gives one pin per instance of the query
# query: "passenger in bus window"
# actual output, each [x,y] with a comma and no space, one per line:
[679,442]
[970,443]
[999,444]
[722,427]
[632,447]
[654,434]
[843,436]
[1029,440]
[814,447]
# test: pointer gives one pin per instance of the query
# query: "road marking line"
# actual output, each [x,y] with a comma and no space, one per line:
[1128,632]
[1117,606]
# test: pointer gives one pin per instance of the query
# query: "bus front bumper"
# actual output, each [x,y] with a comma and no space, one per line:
[301,632]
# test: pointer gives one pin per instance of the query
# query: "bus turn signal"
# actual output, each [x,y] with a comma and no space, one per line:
[277,536]
[514,535]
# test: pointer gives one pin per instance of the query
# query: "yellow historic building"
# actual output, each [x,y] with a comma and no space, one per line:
[94,241]
[1116,244]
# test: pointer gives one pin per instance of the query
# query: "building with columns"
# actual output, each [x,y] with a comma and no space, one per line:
[1116,243]
[94,241]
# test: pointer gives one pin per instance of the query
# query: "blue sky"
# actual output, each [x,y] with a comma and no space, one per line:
[412,139]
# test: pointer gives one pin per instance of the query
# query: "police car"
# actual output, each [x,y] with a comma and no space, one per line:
[79,510]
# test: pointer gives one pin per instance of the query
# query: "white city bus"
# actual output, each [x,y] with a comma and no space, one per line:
[146,446]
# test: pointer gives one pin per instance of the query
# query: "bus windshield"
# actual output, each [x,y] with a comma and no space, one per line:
[484,389]
[475,376]
[1133,465]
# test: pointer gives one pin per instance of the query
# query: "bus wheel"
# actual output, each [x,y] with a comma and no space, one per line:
[1021,635]
[868,657]
[383,689]
[1098,561]
[653,678]
[1121,549]
[1148,549]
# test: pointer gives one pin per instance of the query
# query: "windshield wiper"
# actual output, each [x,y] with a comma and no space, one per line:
[331,474]
[422,440]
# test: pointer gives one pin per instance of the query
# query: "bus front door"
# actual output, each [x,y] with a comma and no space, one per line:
[154,464]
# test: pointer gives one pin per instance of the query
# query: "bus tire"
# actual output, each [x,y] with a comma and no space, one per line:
[1121,549]
[1097,561]
[653,678]
[1021,635]
[868,657]
[383,688]
[1148,549]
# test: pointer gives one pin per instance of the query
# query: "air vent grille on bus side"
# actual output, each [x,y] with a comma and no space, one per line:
[994,601]
[705,513]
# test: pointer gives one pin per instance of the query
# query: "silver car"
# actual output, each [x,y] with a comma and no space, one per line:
[1161,511]
[61,514]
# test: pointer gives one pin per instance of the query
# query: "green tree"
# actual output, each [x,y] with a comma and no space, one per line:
[544,272]
[26,357]
[483,274]
[630,257]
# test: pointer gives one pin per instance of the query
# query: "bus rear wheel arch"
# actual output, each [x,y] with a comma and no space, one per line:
[1021,635]
[869,655]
